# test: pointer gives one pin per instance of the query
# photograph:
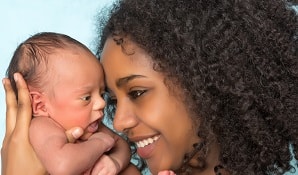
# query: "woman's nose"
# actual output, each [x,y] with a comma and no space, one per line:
[124,118]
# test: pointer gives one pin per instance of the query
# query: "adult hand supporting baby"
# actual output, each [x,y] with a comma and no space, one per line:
[16,149]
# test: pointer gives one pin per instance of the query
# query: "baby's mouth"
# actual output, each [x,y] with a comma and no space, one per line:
[92,127]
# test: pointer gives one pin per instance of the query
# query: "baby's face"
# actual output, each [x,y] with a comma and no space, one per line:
[77,86]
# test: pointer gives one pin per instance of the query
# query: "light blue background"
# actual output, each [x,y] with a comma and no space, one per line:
[22,18]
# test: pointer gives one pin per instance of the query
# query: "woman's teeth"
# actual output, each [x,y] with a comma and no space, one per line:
[146,142]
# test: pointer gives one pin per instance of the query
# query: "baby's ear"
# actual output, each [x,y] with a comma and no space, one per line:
[38,104]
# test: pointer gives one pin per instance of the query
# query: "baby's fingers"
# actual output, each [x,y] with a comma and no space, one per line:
[74,134]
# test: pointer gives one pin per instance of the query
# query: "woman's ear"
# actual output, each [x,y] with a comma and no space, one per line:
[38,104]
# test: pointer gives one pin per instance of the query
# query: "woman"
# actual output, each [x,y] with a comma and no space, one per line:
[200,87]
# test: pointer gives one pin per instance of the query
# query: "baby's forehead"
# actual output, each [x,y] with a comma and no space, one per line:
[71,53]
[74,60]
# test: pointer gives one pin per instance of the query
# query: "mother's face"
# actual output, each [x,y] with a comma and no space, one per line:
[151,116]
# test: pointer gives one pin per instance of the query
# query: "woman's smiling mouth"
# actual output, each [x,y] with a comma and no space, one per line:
[146,142]
[146,146]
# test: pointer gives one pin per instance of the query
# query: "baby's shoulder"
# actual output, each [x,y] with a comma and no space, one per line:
[46,125]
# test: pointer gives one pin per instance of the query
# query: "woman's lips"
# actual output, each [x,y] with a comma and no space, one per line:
[146,146]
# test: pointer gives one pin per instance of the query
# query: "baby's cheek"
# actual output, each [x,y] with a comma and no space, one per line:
[75,121]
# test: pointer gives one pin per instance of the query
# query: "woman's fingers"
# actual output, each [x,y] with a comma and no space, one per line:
[24,112]
[17,154]
[11,112]
[11,108]
[17,113]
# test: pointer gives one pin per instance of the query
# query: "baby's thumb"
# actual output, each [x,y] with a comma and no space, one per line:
[73,134]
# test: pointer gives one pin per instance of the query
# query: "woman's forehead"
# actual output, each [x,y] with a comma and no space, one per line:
[127,53]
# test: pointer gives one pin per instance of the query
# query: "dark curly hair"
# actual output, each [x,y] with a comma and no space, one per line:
[235,62]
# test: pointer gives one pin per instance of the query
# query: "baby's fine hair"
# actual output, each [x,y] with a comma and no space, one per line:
[31,56]
[236,63]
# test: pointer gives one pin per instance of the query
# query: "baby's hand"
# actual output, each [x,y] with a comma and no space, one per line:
[105,166]
[104,138]
[166,172]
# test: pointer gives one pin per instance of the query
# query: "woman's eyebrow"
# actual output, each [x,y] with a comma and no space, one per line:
[122,81]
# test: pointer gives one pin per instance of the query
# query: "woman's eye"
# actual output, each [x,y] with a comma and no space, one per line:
[135,94]
[86,98]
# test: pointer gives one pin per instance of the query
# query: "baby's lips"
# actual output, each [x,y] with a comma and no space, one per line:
[93,127]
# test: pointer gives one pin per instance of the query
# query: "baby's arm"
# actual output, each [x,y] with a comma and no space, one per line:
[117,158]
[60,157]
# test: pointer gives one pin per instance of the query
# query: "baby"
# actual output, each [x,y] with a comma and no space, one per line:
[66,84]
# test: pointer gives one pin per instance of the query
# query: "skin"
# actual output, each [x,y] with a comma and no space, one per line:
[137,119]
[134,117]
[166,173]
[16,149]
[146,108]
[79,104]
[15,156]
[250,41]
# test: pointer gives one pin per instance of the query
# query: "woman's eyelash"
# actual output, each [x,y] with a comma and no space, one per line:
[135,94]
[132,94]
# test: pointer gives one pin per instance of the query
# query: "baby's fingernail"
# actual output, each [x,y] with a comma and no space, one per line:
[77,133]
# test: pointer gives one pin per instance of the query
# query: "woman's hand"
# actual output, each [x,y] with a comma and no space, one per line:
[17,154]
